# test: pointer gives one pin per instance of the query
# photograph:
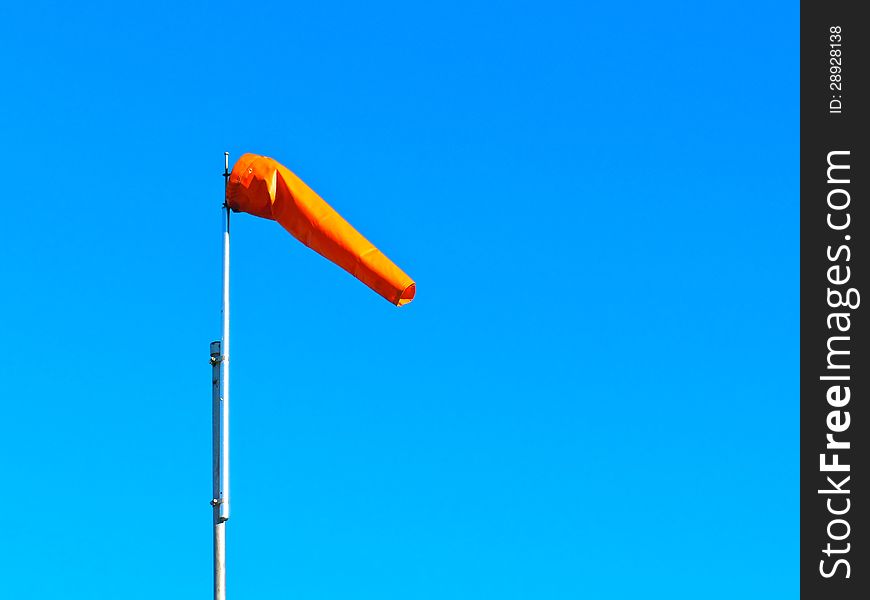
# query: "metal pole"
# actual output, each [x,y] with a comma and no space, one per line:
[225,362]
[220,361]
[219,526]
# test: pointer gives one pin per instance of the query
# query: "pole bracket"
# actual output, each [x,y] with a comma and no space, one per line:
[216,354]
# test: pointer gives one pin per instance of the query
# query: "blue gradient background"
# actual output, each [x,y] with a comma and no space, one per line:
[594,394]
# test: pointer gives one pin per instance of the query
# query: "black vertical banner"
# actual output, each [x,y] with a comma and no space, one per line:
[834,371]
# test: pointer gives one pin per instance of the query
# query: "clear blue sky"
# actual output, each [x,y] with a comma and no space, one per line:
[594,394]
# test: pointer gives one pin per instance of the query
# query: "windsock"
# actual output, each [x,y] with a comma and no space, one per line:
[263,187]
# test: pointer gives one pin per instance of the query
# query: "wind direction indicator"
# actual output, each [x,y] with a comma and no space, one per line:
[263,187]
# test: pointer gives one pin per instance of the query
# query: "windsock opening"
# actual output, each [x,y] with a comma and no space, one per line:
[407,295]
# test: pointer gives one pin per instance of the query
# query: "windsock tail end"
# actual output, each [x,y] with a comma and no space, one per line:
[407,295]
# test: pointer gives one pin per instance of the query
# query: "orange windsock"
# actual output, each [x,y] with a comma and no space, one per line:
[263,187]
